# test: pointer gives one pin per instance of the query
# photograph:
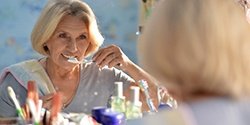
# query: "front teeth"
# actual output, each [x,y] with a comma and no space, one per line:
[69,56]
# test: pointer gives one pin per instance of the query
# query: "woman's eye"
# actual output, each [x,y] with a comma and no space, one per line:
[82,37]
[63,35]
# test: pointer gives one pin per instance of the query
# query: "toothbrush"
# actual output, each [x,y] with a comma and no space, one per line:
[13,97]
[74,60]
[143,86]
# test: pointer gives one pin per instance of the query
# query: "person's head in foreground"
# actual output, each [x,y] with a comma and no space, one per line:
[198,48]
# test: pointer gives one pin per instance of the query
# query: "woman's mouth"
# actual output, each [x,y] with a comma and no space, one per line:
[68,56]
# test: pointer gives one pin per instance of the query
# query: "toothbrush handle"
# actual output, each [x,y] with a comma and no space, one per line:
[20,113]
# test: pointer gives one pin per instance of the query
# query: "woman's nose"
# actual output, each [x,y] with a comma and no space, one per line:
[72,46]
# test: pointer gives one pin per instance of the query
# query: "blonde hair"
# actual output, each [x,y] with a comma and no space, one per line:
[198,46]
[51,16]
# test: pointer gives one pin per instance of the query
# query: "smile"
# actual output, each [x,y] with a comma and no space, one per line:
[67,56]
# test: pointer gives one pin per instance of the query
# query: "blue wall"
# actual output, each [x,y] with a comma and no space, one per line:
[118,20]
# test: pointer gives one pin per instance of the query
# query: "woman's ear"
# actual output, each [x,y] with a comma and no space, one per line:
[46,49]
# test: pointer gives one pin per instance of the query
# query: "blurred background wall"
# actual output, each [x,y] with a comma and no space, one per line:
[118,21]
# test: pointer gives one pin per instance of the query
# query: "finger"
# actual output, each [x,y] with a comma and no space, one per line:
[102,54]
[107,60]
[105,55]
[99,52]
[111,60]
[115,62]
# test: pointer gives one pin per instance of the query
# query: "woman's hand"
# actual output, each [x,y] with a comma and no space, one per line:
[112,56]
[47,100]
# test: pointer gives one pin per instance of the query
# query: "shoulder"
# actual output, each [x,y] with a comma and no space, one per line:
[20,71]
[221,111]
[10,80]
[20,67]
[24,65]
[6,104]
[17,87]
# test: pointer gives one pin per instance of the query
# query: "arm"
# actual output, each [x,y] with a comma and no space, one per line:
[137,74]
[112,55]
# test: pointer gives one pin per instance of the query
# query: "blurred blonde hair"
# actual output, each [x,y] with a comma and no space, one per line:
[51,16]
[198,46]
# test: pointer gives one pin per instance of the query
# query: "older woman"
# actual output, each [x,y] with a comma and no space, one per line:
[68,29]
[200,50]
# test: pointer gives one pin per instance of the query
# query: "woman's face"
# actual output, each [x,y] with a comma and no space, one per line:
[70,40]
